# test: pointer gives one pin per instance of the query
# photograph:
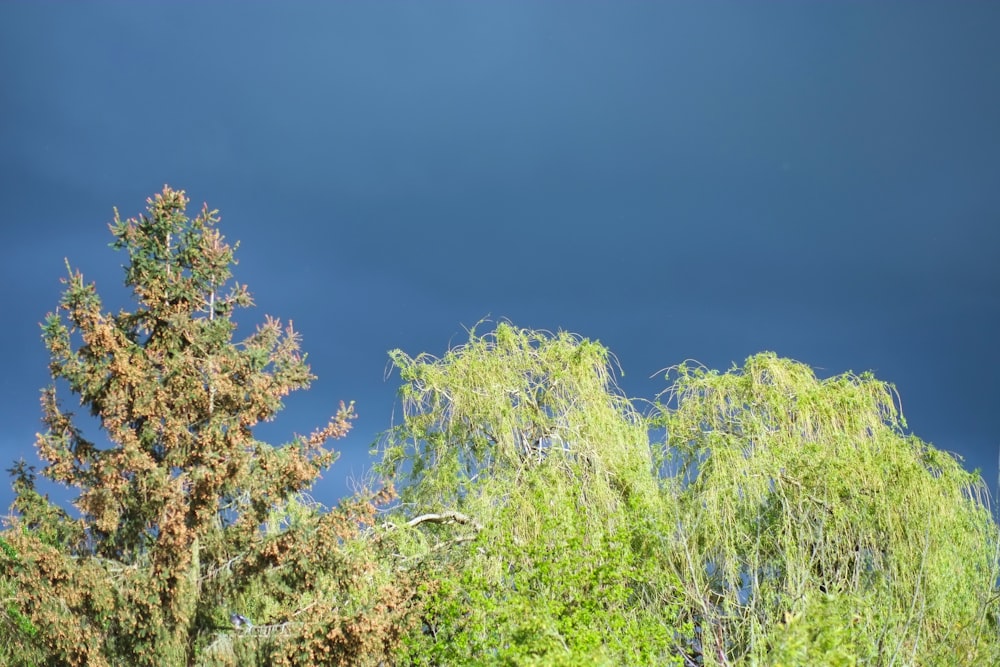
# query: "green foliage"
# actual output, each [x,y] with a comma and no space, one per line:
[185,517]
[566,596]
[504,404]
[827,631]
[527,432]
[782,520]
[792,488]
[17,627]
[792,521]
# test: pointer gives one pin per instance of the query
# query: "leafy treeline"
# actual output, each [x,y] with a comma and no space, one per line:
[760,516]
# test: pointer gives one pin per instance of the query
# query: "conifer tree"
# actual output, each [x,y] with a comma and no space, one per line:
[175,497]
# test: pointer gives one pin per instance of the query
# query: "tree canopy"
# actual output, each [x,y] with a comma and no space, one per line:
[760,515]
[185,518]
[527,432]
[802,502]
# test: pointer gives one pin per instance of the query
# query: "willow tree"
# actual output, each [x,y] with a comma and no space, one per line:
[183,516]
[522,440]
[814,530]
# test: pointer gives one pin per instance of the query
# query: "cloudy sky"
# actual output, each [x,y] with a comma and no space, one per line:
[678,180]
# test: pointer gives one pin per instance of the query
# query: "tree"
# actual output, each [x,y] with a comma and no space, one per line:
[526,434]
[184,516]
[809,519]
[783,519]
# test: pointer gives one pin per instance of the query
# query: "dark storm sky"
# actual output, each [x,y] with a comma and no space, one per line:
[678,180]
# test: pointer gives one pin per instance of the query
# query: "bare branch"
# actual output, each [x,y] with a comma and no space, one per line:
[445,517]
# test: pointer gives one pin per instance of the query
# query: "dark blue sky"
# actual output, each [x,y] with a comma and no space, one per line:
[678,180]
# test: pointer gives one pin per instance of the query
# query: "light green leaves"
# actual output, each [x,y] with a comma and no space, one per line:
[804,487]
